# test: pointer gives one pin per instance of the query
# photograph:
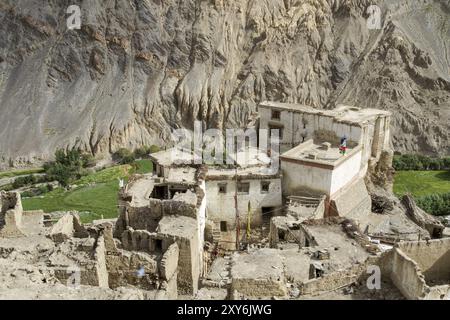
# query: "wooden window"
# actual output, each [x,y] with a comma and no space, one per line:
[276,115]
[222,188]
[243,187]
[265,185]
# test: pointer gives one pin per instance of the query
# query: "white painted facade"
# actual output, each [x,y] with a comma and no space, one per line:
[344,173]
[221,206]
[367,127]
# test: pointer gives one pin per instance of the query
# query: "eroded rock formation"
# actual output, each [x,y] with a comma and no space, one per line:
[136,69]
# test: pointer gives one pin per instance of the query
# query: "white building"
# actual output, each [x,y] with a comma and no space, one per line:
[312,164]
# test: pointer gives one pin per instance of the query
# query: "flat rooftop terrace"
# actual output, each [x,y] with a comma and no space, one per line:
[341,113]
[319,152]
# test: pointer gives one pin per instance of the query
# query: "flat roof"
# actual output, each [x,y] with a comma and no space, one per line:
[342,113]
[172,156]
[178,226]
[313,152]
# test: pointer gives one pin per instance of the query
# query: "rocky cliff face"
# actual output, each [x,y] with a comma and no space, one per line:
[138,68]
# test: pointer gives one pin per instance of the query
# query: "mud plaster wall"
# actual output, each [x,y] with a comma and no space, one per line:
[406,276]
[188,266]
[332,281]
[93,271]
[433,258]
[353,202]
[10,214]
[100,259]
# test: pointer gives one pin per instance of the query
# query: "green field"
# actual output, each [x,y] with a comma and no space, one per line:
[421,183]
[15,173]
[94,196]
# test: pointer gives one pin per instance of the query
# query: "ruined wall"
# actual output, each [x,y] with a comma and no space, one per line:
[183,231]
[168,270]
[432,257]
[144,218]
[148,217]
[283,229]
[258,273]
[189,266]
[332,281]
[10,215]
[406,276]
[100,263]
[86,256]
[123,267]
[180,208]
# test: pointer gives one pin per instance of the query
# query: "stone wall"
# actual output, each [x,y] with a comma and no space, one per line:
[10,215]
[406,276]
[432,257]
[85,256]
[420,269]
[332,281]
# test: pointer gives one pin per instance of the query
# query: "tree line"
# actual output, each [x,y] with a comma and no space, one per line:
[420,162]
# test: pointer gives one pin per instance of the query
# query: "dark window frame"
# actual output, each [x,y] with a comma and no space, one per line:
[264,185]
[223,226]
[222,187]
[275,115]
[246,186]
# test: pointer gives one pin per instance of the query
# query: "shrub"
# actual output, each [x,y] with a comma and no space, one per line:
[123,156]
[88,160]
[67,167]
[154,148]
[144,151]
[436,204]
[24,181]
[37,191]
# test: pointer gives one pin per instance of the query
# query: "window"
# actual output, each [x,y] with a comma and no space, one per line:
[223,226]
[222,188]
[276,114]
[243,187]
[265,186]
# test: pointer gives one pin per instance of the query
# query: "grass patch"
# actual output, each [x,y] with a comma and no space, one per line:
[16,173]
[421,183]
[92,202]
[143,166]
[95,195]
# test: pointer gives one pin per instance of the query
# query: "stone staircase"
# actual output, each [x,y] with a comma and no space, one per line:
[216,235]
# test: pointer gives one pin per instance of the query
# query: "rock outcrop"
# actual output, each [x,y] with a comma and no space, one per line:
[136,69]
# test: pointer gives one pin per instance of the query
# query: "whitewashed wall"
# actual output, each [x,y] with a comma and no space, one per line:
[220,206]
[345,172]
[297,176]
